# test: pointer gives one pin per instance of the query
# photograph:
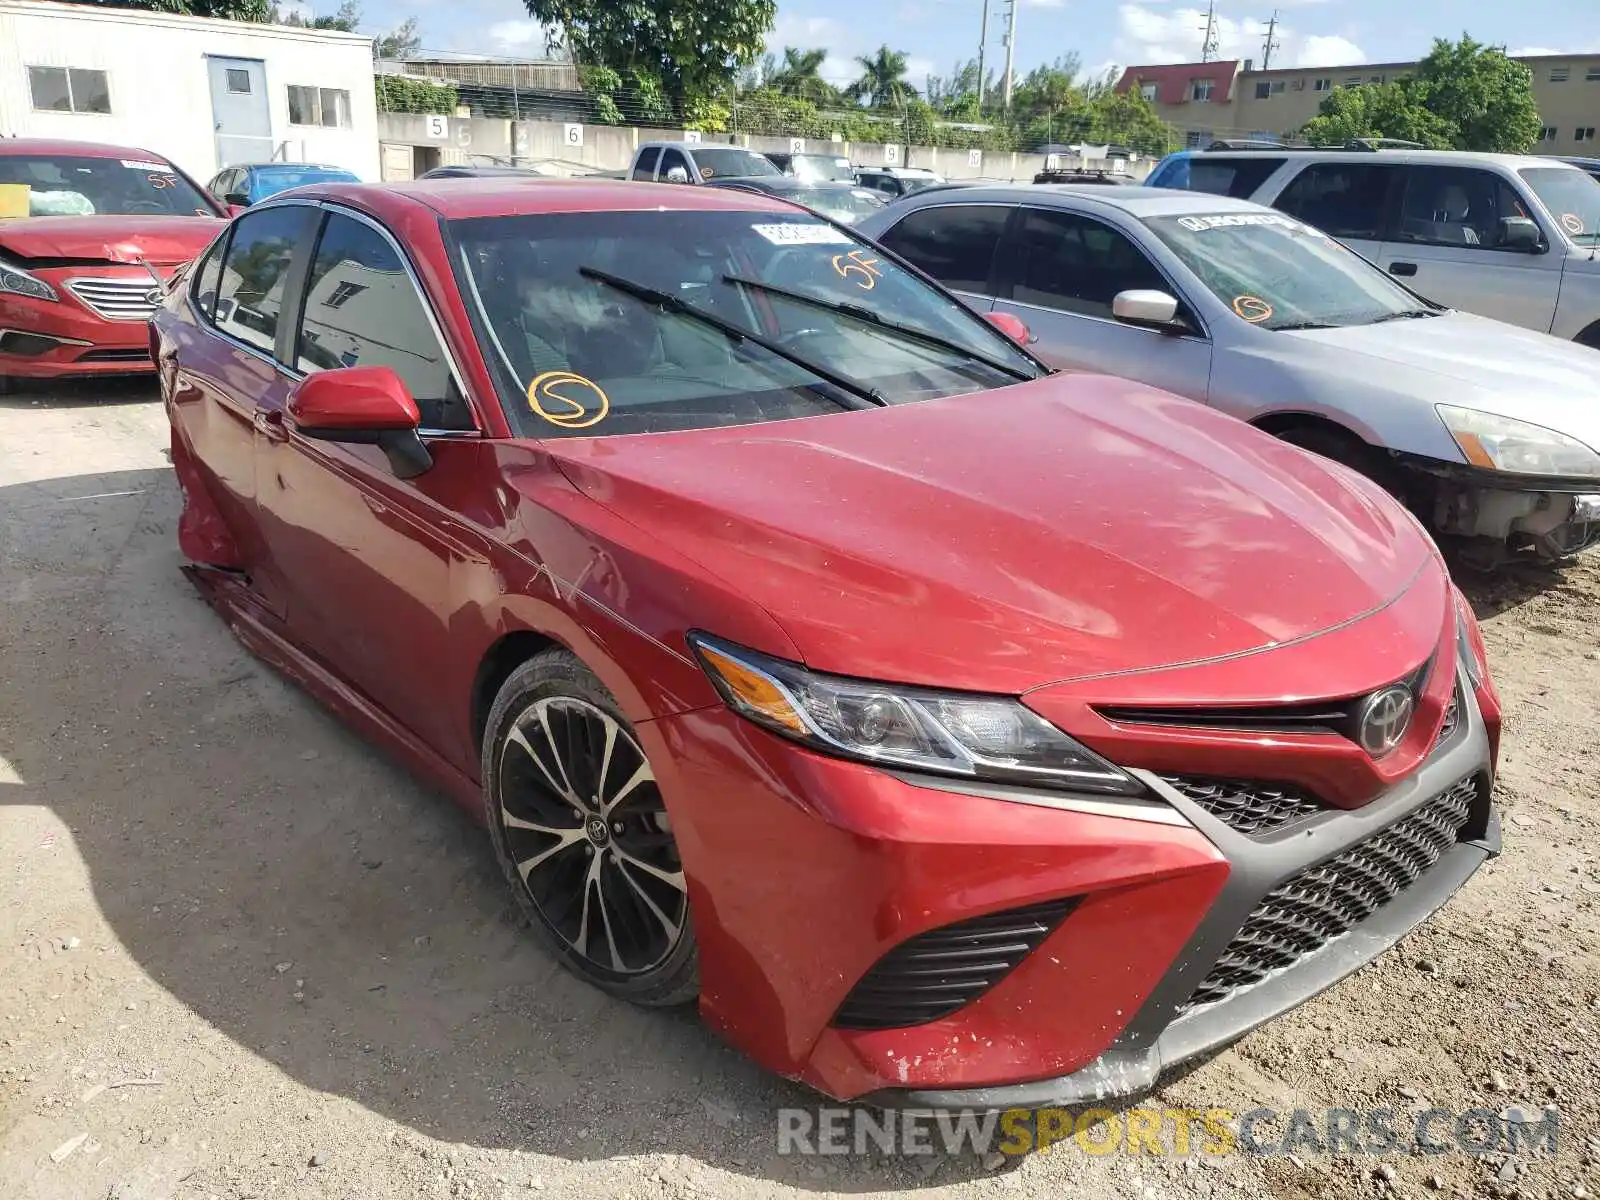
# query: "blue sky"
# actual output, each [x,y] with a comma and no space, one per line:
[936,33]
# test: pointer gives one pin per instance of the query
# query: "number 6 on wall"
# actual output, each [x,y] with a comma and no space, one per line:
[574,135]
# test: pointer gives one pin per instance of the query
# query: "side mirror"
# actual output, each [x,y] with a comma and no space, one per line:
[1520,233]
[1013,327]
[236,200]
[366,406]
[1147,307]
[677,175]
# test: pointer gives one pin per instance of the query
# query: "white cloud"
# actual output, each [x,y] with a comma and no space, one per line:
[1044,3]
[1150,36]
[517,35]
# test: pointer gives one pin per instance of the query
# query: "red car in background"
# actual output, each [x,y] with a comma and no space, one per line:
[955,732]
[89,235]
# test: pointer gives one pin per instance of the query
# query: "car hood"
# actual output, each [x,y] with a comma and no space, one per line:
[162,241]
[1072,526]
[1491,365]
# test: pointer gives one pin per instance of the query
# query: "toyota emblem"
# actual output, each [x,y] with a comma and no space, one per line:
[1385,717]
[153,296]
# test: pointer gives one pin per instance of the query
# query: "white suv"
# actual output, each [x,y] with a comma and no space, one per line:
[1506,236]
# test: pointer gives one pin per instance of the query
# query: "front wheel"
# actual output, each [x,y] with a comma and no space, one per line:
[582,834]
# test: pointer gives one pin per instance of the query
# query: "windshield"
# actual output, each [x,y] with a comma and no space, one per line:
[575,355]
[915,183]
[66,186]
[1277,273]
[823,166]
[845,205]
[730,162]
[1573,198]
[269,181]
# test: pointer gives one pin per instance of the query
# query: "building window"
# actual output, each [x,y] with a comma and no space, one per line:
[1322,85]
[238,81]
[1198,139]
[1547,134]
[1263,90]
[1560,74]
[1277,87]
[1200,89]
[1148,91]
[1592,75]
[329,107]
[1299,85]
[1375,79]
[1585,134]
[69,89]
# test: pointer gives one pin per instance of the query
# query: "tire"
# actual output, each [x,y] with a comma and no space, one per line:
[580,830]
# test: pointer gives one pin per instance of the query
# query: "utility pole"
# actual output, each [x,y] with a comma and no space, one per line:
[983,43]
[1271,43]
[1209,47]
[1011,45]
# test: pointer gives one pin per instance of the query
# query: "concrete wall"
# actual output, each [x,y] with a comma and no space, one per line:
[572,148]
[155,65]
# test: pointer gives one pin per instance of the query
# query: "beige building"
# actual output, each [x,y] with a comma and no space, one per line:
[1230,99]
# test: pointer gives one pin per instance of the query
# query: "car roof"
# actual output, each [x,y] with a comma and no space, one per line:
[1134,199]
[697,146]
[288,166]
[492,198]
[20,146]
[1434,158]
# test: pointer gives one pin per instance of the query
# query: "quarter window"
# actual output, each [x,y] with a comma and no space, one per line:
[207,278]
[1239,177]
[645,168]
[1076,264]
[249,296]
[328,107]
[363,310]
[69,89]
[1451,206]
[955,243]
[1345,200]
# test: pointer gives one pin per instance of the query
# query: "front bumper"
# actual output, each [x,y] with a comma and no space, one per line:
[806,871]
[49,339]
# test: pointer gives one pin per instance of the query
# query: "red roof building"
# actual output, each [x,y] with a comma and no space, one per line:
[1184,83]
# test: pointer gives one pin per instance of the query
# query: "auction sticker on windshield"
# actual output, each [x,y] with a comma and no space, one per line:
[796,234]
[1235,220]
[141,165]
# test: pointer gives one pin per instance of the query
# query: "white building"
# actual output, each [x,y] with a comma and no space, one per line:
[205,93]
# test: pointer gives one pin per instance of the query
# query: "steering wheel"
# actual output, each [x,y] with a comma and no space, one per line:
[789,339]
[154,206]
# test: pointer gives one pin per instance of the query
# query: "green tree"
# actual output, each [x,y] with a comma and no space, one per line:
[402,42]
[1386,110]
[883,80]
[799,74]
[345,19]
[692,48]
[1485,96]
[227,10]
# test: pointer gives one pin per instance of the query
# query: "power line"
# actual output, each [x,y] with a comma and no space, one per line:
[1212,43]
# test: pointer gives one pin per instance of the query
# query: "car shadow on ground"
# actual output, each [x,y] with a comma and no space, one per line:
[108,392]
[296,890]
[1510,586]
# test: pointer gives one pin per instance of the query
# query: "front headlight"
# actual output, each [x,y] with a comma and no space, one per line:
[974,737]
[1502,444]
[15,280]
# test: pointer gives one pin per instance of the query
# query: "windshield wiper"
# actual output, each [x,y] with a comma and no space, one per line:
[866,316]
[1302,325]
[737,333]
[1405,314]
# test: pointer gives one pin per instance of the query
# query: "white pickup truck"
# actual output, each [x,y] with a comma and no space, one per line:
[697,162]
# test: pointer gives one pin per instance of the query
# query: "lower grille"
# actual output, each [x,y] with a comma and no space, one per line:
[1250,808]
[935,973]
[1323,902]
[119,356]
[118,299]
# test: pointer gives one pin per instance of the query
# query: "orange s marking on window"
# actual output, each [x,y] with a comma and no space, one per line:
[1252,308]
[551,396]
[858,266]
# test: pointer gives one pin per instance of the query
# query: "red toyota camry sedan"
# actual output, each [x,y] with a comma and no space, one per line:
[89,236]
[954,732]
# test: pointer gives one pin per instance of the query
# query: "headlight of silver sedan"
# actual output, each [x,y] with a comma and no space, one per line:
[992,738]
[1519,447]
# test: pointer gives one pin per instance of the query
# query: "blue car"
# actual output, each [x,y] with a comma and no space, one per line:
[245,184]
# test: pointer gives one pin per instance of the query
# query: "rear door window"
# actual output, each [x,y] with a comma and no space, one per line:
[1344,200]
[256,271]
[955,243]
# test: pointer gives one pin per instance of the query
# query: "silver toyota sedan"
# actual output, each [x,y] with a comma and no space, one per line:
[1488,432]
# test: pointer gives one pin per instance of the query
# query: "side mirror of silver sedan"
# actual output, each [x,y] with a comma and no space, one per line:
[1146,307]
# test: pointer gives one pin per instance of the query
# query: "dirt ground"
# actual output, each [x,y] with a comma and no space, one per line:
[243,955]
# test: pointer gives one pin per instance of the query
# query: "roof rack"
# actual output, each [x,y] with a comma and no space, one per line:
[1079,175]
[1382,143]
[1246,144]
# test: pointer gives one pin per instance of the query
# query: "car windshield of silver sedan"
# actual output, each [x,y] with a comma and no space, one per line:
[1573,198]
[1278,273]
[54,185]
[600,324]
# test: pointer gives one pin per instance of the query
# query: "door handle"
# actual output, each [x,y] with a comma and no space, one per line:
[270,425]
[1402,268]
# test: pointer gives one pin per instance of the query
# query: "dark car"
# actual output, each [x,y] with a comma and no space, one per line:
[1591,165]
[244,184]
[841,202]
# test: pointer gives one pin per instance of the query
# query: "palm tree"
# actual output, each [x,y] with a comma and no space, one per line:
[883,80]
[800,75]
